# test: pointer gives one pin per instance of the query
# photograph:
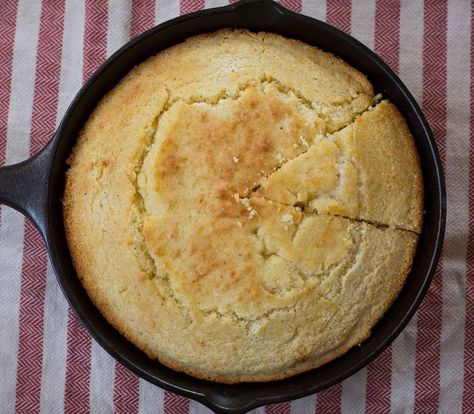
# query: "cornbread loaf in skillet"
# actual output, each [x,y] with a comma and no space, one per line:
[242,208]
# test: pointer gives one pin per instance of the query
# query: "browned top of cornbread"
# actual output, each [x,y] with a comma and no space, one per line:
[242,208]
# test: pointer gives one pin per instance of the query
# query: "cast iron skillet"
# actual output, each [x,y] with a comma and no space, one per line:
[35,187]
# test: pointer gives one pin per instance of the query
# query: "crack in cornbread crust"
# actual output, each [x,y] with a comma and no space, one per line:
[150,266]
[363,146]
[146,310]
[196,183]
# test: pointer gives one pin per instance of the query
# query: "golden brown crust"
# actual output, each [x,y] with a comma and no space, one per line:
[183,217]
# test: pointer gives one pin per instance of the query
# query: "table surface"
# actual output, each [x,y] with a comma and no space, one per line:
[49,364]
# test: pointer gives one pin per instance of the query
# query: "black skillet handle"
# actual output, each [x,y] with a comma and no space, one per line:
[24,186]
[232,404]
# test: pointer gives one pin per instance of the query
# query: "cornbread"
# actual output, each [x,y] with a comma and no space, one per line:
[242,207]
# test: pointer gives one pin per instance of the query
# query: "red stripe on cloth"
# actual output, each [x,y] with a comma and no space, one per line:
[7,25]
[48,70]
[387,32]
[294,5]
[468,391]
[427,376]
[379,376]
[143,16]
[281,408]
[329,401]
[434,70]
[387,45]
[188,6]
[125,390]
[30,342]
[338,13]
[95,36]
[79,343]
[33,277]
[175,404]
[78,367]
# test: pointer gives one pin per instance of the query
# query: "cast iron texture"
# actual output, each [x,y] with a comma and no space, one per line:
[35,188]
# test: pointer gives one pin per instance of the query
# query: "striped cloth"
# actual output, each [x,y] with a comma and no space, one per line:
[48,362]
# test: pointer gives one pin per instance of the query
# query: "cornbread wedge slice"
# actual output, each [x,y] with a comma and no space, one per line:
[367,171]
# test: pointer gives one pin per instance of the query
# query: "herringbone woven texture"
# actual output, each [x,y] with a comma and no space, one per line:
[49,363]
